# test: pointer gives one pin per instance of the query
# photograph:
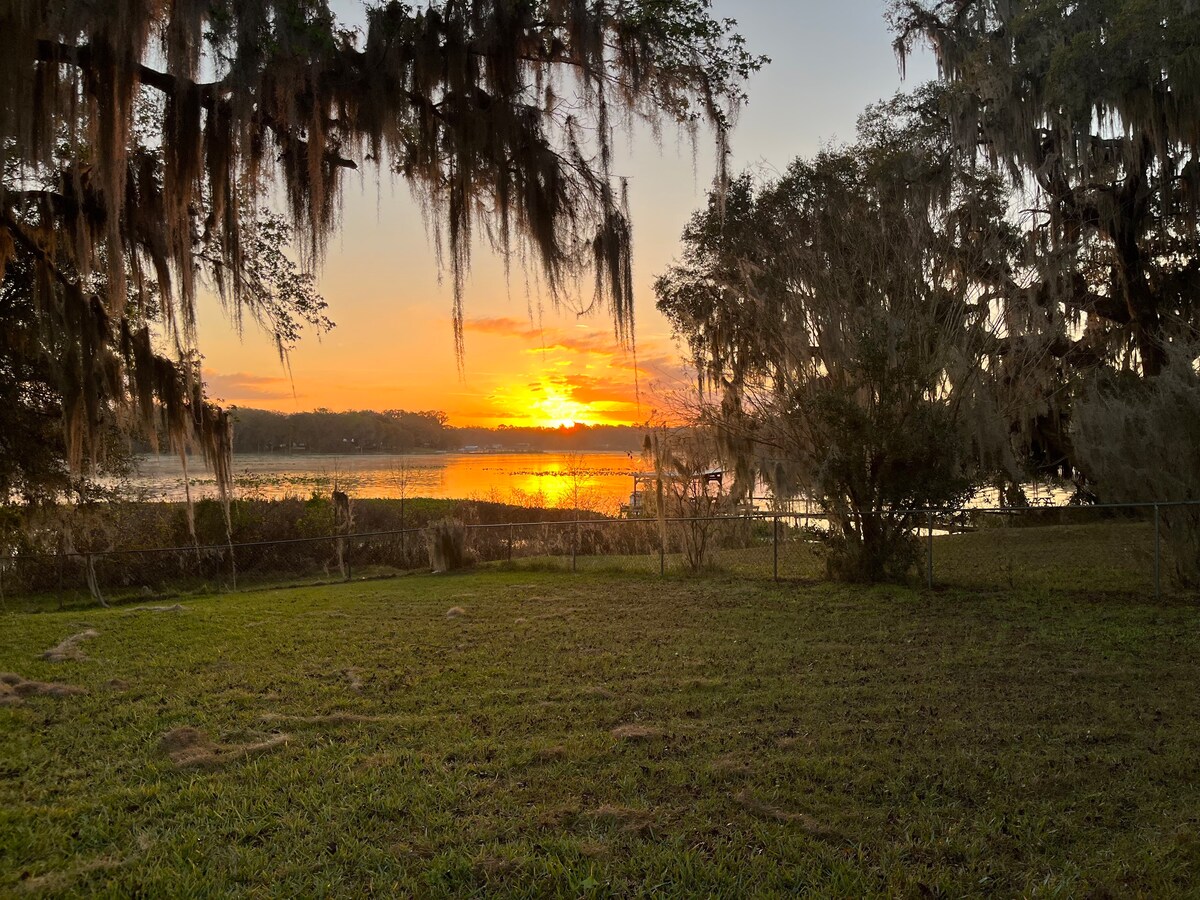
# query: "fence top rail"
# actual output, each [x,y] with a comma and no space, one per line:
[957,510]
[200,548]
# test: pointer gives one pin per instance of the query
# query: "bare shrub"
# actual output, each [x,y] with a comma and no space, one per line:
[690,488]
[447,542]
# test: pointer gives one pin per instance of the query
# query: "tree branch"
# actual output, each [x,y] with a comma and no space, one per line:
[211,94]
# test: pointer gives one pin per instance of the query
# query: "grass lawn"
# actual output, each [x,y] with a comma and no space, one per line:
[606,735]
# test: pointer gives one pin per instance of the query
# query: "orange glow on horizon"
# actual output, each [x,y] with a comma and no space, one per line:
[550,403]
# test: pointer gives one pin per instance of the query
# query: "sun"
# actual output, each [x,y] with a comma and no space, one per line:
[555,409]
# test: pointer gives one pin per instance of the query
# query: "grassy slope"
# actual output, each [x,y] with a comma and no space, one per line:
[839,740]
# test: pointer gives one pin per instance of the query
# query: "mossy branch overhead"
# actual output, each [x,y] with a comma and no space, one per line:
[1093,109]
[137,136]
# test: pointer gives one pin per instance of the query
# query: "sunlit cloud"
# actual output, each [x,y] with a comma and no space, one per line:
[581,376]
[232,387]
[503,326]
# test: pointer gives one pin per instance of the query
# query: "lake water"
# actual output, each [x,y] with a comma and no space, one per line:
[603,480]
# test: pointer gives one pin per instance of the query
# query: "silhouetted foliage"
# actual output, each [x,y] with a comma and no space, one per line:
[1090,108]
[139,141]
[841,316]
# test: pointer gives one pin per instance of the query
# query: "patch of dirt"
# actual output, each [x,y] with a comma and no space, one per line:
[117,684]
[338,614]
[333,719]
[545,617]
[550,754]
[60,881]
[375,761]
[177,608]
[632,820]
[600,693]
[594,850]
[636,733]
[454,612]
[491,866]
[701,683]
[804,821]
[68,649]
[788,741]
[556,816]
[354,676]
[731,765]
[14,688]
[415,849]
[189,747]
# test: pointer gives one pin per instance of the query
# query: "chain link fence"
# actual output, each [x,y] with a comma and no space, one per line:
[1125,548]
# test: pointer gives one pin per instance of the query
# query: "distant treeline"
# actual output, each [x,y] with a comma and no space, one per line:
[322,431]
[402,431]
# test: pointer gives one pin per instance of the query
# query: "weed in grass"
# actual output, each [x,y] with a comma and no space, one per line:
[636,733]
[491,866]
[623,817]
[594,850]
[804,821]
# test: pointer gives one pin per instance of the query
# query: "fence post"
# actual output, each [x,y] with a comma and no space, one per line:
[510,541]
[775,547]
[929,561]
[662,550]
[1157,558]
[349,559]
[574,542]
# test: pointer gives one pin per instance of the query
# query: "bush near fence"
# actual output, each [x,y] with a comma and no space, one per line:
[1095,548]
[132,525]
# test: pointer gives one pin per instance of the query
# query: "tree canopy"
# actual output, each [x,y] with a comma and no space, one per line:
[139,141]
[1092,107]
[845,316]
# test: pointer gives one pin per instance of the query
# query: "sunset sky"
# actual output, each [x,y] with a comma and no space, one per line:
[527,363]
